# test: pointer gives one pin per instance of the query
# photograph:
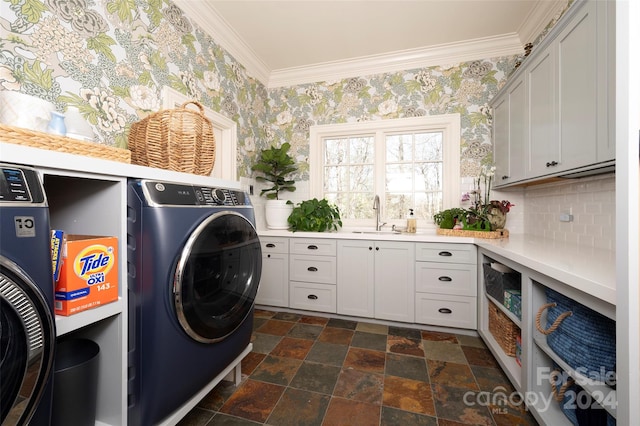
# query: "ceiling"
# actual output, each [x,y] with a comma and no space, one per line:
[298,40]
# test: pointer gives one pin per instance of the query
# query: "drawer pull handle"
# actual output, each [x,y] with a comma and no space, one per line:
[312,269]
[312,247]
[445,278]
[445,253]
[271,245]
[445,310]
[552,163]
[312,297]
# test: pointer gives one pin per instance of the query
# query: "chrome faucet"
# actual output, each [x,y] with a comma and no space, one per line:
[376,207]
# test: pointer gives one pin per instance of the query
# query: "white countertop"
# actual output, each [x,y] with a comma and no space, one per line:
[588,269]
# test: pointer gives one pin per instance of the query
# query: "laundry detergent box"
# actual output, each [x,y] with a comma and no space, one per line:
[88,275]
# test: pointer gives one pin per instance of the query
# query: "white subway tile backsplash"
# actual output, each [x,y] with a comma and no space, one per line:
[590,200]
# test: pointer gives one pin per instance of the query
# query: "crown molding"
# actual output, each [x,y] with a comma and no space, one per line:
[450,53]
[538,19]
[205,16]
[219,29]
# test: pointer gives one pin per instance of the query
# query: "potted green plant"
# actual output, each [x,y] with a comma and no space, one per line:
[316,216]
[446,219]
[276,166]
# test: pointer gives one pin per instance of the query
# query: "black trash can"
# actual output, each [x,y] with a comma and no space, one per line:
[75,383]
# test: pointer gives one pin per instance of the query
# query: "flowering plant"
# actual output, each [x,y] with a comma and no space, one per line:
[483,214]
[484,209]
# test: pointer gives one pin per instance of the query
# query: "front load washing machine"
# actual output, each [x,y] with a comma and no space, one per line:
[27,325]
[194,267]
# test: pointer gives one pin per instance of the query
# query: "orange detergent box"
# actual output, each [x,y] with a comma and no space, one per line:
[88,275]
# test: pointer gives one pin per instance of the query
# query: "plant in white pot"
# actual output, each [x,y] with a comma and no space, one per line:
[277,166]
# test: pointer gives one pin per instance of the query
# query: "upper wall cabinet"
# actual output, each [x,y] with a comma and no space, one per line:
[555,115]
[509,122]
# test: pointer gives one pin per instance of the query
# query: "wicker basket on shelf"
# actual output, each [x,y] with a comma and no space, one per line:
[503,329]
[179,139]
[34,139]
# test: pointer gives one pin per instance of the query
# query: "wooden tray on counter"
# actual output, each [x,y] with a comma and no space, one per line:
[31,138]
[502,233]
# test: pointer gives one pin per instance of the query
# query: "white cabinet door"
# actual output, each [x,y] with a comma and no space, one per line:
[355,283]
[544,152]
[509,121]
[501,139]
[394,281]
[577,90]
[517,130]
[274,282]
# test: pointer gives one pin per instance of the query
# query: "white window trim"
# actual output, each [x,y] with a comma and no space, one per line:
[224,130]
[449,124]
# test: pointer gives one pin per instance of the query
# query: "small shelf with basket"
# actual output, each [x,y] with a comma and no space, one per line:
[573,356]
[501,313]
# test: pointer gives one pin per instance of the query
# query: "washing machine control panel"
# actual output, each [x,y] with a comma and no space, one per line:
[20,185]
[167,194]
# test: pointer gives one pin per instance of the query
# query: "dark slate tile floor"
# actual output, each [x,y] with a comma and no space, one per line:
[316,371]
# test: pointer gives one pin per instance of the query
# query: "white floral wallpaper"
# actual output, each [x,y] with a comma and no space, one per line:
[111,58]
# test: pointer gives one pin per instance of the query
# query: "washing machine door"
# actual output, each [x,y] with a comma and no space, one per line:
[26,347]
[217,276]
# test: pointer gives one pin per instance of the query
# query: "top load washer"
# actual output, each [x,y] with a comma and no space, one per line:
[27,324]
[194,267]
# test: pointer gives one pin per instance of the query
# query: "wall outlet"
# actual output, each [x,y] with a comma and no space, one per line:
[566,217]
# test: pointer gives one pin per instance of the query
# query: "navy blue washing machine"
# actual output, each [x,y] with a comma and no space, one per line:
[27,318]
[194,264]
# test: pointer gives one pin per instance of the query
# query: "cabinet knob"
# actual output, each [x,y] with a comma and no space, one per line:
[377,248]
[312,269]
[445,310]
[505,177]
[370,248]
[268,255]
[445,278]
[271,245]
[312,247]
[312,297]
[445,253]
[552,163]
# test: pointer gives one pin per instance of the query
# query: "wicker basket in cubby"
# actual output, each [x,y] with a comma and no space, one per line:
[503,329]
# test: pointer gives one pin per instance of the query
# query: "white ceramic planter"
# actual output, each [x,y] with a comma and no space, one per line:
[276,214]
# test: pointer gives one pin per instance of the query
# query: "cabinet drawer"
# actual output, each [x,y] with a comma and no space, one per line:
[311,246]
[313,297]
[446,278]
[448,253]
[315,269]
[446,311]
[274,245]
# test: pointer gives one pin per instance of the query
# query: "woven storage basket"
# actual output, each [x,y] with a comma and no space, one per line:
[582,337]
[31,138]
[496,282]
[503,329]
[579,407]
[179,139]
